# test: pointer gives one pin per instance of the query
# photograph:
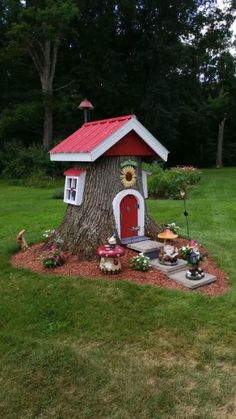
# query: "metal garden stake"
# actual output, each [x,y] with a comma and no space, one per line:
[183,196]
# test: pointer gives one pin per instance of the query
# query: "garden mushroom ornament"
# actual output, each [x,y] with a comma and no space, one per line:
[168,253]
[110,257]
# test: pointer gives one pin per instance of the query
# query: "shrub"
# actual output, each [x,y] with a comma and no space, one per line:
[58,193]
[167,183]
[53,258]
[140,262]
[173,227]
[190,174]
[30,166]
[55,240]
[47,235]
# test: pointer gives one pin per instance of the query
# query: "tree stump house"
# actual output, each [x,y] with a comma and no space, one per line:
[106,187]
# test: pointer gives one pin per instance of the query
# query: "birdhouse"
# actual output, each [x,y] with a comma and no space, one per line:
[106,185]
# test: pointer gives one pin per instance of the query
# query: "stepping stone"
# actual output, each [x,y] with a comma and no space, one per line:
[134,239]
[167,268]
[181,279]
[149,248]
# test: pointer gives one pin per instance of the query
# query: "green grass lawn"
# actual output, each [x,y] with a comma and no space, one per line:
[81,348]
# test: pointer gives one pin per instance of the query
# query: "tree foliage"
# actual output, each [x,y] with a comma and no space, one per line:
[168,62]
[37,27]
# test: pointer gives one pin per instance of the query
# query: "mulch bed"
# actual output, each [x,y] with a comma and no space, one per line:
[30,259]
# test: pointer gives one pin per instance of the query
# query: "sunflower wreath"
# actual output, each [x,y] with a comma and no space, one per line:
[128,176]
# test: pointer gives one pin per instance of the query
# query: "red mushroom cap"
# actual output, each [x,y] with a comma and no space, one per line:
[108,252]
[85,104]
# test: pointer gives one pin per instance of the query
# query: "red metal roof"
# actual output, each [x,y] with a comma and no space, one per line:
[90,135]
[73,172]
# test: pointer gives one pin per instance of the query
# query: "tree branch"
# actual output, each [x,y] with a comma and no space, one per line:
[35,57]
[47,60]
[54,61]
[64,86]
[40,45]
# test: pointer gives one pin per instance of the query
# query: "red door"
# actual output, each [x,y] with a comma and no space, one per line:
[129,216]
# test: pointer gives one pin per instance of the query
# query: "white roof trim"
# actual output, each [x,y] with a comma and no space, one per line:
[151,140]
[112,140]
[132,124]
[70,157]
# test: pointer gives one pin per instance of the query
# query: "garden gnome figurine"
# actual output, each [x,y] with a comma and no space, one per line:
[168,253]
[194,259]
[21,240]
[112,242]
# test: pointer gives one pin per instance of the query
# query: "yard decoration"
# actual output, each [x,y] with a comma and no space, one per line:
[168,253]
[86,106]
[193,256]
[112,242]
[110,257]
[128,176]
[98,202]
[20,239]
[183,196]
[167,234]
[128,163]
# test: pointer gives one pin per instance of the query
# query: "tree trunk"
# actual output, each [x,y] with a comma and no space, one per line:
[48,122]
[45,59]
[220,140]
[87,226]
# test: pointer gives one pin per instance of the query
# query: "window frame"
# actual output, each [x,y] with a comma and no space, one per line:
[77,188]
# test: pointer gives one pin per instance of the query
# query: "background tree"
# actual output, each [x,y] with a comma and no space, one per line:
[162,60]
[38,27]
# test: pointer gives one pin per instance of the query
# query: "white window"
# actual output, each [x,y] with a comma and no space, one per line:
[74,186]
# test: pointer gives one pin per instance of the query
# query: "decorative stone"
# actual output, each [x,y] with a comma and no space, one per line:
[180,277]
[145,246]
[180,266]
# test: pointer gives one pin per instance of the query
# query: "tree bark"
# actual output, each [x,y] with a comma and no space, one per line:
[220,140]
[47,126]
[87,226]
[44,56]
